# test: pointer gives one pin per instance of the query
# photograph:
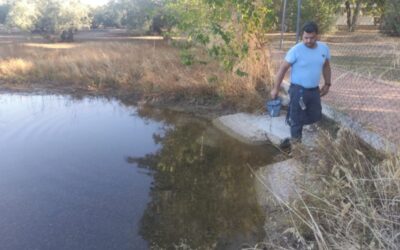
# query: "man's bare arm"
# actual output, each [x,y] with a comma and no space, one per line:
[326,72]
[279,78]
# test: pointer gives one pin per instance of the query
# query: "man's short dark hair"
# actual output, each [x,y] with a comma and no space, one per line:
[310,27]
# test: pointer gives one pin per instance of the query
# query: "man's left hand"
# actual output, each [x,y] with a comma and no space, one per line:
[324,90]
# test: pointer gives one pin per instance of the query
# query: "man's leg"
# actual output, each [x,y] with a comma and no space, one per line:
[295,137]
[314,108]
[296,115]
[296,132]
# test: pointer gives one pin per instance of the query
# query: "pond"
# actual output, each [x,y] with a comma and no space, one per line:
[93,173]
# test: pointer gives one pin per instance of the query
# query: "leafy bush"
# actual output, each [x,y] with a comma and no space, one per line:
[225,28]
[320,11]
[391,18]
[186,57]
[48,18]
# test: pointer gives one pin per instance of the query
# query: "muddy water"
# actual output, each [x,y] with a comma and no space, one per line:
[96,174]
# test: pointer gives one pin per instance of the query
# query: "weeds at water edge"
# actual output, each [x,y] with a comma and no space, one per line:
[350,201]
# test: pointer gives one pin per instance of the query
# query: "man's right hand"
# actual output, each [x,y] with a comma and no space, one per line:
[274,93]
[279,78]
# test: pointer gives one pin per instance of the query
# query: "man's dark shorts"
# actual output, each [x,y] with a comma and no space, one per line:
[311,114]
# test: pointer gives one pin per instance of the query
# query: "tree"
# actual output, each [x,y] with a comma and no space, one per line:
[133,14]
[375,7]
[353,8]
[110,15]
[4,9]
[323,12]
[49,17]
[228,29]
[352,17]
[139,14]
[23,14]
[391,18]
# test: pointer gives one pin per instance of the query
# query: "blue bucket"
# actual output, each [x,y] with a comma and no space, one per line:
[274,107]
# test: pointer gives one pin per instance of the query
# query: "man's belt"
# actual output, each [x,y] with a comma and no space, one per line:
[299,86]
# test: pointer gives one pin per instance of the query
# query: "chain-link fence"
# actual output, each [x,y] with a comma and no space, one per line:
[365,77]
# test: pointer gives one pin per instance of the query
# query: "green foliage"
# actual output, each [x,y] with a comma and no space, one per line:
[4,9]
[133,14]
[225,28]
[138,13]
[48,16]
[391,21]
[374,7]
[111,15]
[321,11]
[23,14]
[241,73]
[186,57]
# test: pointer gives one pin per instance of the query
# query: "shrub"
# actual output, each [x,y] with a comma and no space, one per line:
[391,18]
[322,12]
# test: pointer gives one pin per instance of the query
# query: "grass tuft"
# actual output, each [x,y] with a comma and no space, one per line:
[351,199]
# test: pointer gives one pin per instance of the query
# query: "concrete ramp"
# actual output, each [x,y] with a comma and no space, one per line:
[254,129]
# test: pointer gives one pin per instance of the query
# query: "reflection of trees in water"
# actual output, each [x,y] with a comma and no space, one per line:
[203,193]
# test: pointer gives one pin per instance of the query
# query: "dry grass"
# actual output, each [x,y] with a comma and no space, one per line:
[350,201]
[151,69]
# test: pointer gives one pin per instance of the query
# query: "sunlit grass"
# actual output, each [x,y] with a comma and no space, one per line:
[52,45]
[151,69]
[15,68]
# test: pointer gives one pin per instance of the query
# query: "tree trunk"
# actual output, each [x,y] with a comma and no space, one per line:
[355,16]
[348,11]
[67,36]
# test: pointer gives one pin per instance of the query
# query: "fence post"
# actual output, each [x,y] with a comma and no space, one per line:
[298,20]
[283,22]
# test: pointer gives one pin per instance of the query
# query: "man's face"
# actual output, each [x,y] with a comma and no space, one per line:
[310,39]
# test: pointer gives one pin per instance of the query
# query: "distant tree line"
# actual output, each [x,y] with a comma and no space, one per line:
[50,18]
[62,18]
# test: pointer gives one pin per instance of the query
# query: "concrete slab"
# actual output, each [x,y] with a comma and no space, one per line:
[254,129]
[260,129]
[373,139]
[277,180]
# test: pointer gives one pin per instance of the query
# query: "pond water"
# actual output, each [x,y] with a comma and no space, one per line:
[93,173]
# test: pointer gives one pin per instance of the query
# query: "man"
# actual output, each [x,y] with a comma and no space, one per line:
[307,60]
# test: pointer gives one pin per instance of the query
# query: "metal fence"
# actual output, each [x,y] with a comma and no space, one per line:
[365,78]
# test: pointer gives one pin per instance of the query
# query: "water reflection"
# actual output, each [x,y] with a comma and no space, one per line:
[66,181]
[203,193]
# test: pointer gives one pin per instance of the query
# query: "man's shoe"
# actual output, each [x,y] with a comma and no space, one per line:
[285,144]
